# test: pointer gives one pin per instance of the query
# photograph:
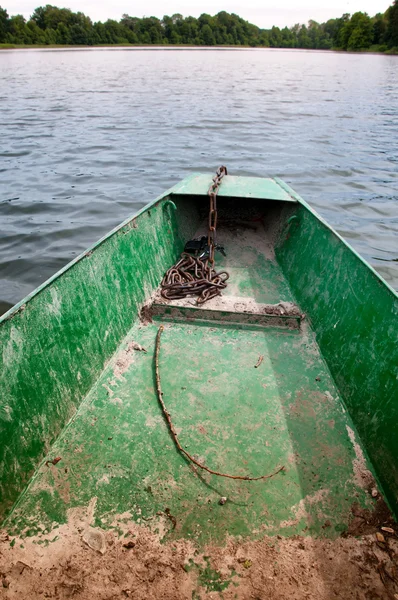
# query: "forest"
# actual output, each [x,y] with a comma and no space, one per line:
[50,25]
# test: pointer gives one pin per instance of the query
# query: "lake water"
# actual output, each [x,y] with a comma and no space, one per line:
[87,137]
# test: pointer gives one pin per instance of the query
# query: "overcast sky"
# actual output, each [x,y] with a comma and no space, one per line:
[263,13]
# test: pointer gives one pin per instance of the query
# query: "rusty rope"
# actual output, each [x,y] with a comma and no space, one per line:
[174,433]
[193,275]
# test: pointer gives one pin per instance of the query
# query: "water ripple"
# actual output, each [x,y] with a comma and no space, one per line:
[88,137]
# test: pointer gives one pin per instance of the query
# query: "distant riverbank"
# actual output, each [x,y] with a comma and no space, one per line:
[53,26]
[392,51]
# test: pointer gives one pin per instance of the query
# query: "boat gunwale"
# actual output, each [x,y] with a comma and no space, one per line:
[16,308]
[326,224]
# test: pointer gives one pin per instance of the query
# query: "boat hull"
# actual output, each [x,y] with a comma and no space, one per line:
[321,402]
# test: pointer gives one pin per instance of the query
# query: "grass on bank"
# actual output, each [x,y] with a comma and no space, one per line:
[375,49]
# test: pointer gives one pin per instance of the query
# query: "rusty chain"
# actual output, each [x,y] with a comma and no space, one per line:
[195,275]
[213,191]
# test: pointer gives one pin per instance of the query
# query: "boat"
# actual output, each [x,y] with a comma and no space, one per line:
[266,405]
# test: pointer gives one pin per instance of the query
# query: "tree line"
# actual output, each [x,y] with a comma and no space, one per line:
[50,25]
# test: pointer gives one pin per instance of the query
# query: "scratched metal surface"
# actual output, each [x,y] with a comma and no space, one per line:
[231,416]
[355,317]
[234,417]
[56,346]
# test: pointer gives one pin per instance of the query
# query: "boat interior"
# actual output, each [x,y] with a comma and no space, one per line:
[245,377]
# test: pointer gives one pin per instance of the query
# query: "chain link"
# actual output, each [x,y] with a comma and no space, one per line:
[213,191]
[192,275]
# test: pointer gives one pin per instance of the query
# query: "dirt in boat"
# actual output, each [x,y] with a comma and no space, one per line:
[78,561]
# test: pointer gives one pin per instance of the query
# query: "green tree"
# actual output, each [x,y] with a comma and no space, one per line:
[315,34]
[38,16]
[78,35]
[153,27]
[175,38]
[112,32]
[52,16]
[131,28]
[50,36]
[53,25]
[62,34]
[34,34]
[379,28]
[287,38]
[331,28]
[207,36]
[168,28]
[303,39]
[263,39]
[3,24]
[362,32]
[342,33]
[392,27]
[17,32]
[275,37]
[357,32]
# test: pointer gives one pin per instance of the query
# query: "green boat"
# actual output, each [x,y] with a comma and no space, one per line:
[263,408]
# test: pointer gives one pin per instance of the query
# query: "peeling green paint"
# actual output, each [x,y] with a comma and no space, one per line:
[354,315]
[53,350]
[71,386]
[118,448]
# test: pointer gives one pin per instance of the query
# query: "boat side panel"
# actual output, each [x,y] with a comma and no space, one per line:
[54,347]
[354,314]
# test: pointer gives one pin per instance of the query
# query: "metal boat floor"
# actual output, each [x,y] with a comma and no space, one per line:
[117,453]
[257,294]
[250,261]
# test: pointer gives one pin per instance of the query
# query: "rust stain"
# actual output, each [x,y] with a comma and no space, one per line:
[202,430]
[61,484]
[302,407]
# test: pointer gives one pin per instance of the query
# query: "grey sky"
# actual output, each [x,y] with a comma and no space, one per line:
[263,13]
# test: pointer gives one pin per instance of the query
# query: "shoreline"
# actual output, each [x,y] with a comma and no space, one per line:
[155,47]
